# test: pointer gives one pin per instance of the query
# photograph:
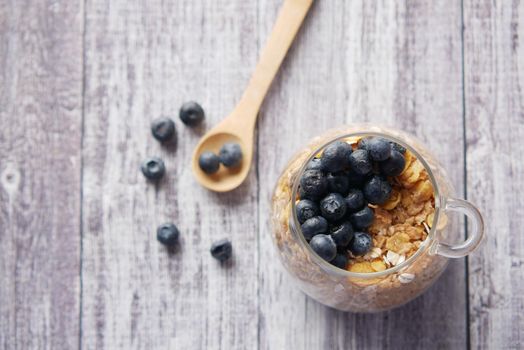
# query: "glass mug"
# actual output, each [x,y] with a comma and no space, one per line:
[376,291]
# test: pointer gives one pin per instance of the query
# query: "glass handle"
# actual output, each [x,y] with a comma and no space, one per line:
[474,238]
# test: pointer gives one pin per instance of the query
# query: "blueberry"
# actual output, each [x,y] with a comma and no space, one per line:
[324,246]
[167,234]
[335,156]
[306,209]
[163,129]
[394,165]
[191,113]
[355,200]
[377,190]
[356,180]
[230,154]
[363,143]
[362,219]
[379,148]
[397,147]
[153,168]
[340,261]
[304,195]
[221,250]
[333,207]
[360,162]
[314,226]
[314,184]
[338,183]
[209,162]
[341,233]
[361,243]
[314,164]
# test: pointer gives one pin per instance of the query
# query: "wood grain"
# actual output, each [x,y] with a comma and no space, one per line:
[364,61]
[494,101]
[74,93]
[40,148]
[143,60]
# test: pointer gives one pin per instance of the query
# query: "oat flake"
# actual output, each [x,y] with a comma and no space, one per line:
[406,277]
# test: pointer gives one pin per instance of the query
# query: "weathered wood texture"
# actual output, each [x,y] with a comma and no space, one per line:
[63,226]
[143,60]
[40,145]
[494,104]
[359,61]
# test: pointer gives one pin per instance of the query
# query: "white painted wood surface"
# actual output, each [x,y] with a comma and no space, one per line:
[142,63]
[40,164]
[79,85]
[494,105]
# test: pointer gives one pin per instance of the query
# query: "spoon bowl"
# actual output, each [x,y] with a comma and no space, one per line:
[225,179]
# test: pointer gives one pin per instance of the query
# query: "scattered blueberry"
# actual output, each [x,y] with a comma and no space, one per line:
[167,234]
[394,165]
[338,183]
[209,162]
[324,246]
[163,129]
[335,156]
[191,113]
[355,180]
[361,243]
[362,219]
[360,162]
[377,190]
[314,164]
[341,233]
[221,250]
[355,200]
[314,184]
[333,207]
[379,148]
[398,148]
[230,154]
[314,226]
[153,168]
[306,209]
[340,261]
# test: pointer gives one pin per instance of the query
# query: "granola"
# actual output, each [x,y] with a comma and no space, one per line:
[400,231]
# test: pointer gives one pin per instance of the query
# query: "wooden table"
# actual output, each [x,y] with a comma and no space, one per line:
[80,82]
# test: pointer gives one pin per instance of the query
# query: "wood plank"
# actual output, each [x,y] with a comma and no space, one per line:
[144,59]
[386,62]
[40,160]
[494,74]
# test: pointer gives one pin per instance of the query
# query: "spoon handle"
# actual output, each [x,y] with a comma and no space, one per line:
[289,19]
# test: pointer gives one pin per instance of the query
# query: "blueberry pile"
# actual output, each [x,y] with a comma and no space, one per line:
[230,155]
[335,190]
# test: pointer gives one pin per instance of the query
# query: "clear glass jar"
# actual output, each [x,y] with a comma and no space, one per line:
[377,291]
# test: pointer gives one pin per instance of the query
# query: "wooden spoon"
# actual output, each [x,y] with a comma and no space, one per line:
[239,126]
